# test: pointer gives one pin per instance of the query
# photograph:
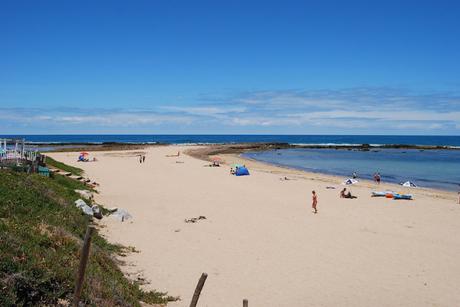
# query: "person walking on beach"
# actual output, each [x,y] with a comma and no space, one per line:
[314,201]
[140,158]
[143,159]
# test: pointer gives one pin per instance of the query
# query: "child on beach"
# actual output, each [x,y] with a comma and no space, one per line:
[314,202]
[377,178]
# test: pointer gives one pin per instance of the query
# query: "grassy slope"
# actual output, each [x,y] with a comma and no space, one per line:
[40,238]
[74,170]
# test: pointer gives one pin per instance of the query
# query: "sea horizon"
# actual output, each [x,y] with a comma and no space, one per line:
[293,139]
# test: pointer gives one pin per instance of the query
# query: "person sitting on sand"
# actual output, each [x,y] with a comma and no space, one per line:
[344,194]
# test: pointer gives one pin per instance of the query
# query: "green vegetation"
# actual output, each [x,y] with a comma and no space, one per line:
[74,170]
[41,235]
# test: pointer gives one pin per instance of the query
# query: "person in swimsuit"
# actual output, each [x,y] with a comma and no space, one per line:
[345,194]
[377,178]
[314,202]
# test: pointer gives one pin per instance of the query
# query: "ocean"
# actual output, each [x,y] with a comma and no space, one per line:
[292,139]
[427,168]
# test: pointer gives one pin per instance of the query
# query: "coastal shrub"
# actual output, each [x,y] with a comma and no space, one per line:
[41,235]
[71,169]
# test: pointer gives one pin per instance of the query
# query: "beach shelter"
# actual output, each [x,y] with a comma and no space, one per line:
[409,184]
[350,181]
[241,171]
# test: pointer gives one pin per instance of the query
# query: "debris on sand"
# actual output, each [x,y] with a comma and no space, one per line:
[121,215]
[195,219]
[97,212]
[80,203]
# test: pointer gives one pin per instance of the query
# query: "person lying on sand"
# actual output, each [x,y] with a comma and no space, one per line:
[177,155]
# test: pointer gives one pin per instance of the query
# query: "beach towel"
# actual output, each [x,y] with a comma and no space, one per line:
[402,196]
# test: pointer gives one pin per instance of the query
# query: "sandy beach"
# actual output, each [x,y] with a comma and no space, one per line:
[260,240]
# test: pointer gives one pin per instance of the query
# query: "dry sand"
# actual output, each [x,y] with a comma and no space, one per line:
[261,241]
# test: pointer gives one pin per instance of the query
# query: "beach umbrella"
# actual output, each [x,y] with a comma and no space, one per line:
[84,153]
[216,161]
[350,181]
[409,184]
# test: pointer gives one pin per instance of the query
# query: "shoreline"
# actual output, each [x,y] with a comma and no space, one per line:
[234,154]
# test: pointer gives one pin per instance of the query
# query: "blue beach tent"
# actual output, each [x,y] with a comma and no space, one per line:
[241,171]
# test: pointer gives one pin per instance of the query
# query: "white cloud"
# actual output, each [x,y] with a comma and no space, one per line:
[365,110]
[205,111]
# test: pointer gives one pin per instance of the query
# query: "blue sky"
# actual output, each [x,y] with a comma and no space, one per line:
[284,67]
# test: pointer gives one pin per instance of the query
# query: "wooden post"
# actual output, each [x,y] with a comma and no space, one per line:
[198,288]
[245,303]
[81,269]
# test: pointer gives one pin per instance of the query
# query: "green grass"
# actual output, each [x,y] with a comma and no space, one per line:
[74,170]
[41,234]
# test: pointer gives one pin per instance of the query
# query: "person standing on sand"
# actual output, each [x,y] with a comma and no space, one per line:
[143,159]
[377,178]
[314,201]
